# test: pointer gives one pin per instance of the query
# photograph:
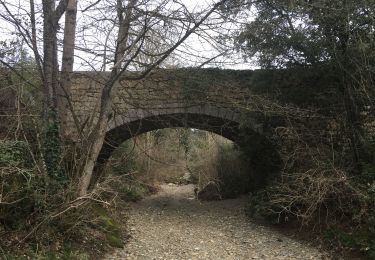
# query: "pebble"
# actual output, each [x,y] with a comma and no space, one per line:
[220,228]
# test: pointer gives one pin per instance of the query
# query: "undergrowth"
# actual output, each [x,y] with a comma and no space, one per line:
[42,218]
[317,190]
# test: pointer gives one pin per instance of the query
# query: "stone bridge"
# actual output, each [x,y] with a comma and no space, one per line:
[220,101]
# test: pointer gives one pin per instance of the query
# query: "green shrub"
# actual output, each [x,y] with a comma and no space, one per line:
[14,154]
[18,181]
[360,239]
[111,229]
[134,194]
[31,198]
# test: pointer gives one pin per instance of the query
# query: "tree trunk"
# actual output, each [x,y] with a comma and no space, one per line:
[50,67]
[96,139]
[353,121]
[63,92]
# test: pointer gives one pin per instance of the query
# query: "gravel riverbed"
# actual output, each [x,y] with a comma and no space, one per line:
[172,224]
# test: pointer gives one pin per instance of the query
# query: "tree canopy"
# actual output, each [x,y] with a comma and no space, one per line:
[299,32]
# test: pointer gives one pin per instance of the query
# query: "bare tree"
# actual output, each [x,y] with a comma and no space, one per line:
[128,48]
[116,34]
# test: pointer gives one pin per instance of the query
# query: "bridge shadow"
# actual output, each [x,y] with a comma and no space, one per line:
[259,152]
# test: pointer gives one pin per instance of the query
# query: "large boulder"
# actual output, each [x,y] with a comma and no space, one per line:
[209,192]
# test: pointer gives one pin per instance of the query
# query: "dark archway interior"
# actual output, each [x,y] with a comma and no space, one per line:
[115,137]
[260,153]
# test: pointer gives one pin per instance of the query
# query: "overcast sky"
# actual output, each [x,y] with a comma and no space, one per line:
[198,48]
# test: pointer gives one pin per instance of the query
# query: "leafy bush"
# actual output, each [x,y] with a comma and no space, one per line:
[127,188]
[14,154]
[18,180]
[40,209]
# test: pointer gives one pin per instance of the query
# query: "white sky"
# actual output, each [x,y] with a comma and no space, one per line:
[195,50]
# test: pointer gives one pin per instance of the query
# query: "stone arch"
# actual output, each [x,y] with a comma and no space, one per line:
[230,129]
[219,121]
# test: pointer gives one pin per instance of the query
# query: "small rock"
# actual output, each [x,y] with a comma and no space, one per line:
[209,192]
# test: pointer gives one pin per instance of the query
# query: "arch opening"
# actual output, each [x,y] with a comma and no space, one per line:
[116,136]
[184,157]
[258,152]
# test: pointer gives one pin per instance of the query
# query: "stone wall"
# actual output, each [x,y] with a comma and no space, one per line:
[164,92]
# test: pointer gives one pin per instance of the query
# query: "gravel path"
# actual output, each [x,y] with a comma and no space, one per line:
[173,225]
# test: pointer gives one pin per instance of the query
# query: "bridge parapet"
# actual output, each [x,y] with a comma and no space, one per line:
[238,96]
[161,93]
